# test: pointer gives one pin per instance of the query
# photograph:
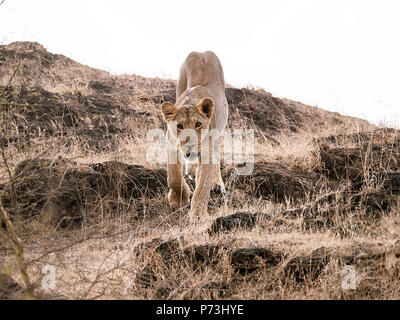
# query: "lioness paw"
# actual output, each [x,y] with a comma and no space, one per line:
[198,212]
[178,200]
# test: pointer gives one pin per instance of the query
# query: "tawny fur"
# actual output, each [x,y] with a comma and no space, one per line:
[201,77]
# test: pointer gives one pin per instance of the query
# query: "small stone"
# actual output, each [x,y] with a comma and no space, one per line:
[307,267]
[238,220]
[247,260]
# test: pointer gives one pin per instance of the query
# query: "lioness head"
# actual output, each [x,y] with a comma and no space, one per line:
[187,122]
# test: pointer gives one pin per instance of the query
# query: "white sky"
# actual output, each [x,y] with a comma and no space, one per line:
[339,55]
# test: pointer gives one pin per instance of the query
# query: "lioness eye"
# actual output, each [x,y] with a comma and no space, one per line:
[179,126]
[198,124]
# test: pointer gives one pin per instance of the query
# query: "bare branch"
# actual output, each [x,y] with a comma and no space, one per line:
[19,253]
[10,176]
[13,75]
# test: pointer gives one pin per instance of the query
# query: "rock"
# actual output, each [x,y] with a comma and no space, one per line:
[375,202]
[273,181]
[341,163]
[57,189]
[356,164]
[166,249]
[376,136]
[216,290]
[162,292]
[44,113]
[246,260]
[202,255]
[392,182]
[364,253]
[261,216]
[307,267]
[8,287]
[295,213]
[238,220]
[146,277]
[317,223]
[261,110]
[101,86]
[198,256]
[130,180]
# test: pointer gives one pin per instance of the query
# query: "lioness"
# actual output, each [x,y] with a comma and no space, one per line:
[195,126]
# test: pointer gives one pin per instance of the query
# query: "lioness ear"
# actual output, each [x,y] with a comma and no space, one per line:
[206,107]
[169,111]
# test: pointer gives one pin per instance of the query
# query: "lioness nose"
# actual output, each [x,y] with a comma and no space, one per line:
[190,154]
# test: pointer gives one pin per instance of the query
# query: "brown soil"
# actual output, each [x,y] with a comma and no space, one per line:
[324,193]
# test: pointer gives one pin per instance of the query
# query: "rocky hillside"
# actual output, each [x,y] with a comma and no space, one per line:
[324,194]
[67,98]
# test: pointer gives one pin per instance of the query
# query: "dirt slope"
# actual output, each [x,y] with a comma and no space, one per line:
[324,194]
[95,102]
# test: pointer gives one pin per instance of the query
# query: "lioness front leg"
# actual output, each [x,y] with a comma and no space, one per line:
[204,178]
[179,191]
[217,180]
[218,183]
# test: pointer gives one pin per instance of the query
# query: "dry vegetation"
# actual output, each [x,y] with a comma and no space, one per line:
[76,184]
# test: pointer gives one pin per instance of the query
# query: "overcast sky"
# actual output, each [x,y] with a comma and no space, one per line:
[339,55]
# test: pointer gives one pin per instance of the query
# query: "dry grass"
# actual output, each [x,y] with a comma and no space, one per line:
[111,251]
